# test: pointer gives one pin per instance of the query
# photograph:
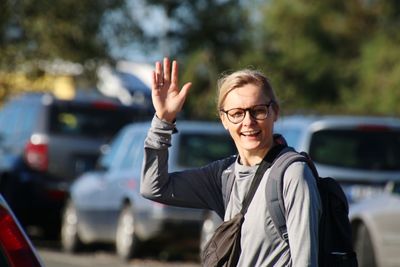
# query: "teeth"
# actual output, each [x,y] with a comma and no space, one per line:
[250,132]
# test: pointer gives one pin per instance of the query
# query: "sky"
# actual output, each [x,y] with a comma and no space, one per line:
[154,21]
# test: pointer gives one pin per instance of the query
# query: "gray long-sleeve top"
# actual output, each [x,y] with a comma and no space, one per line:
[201,188]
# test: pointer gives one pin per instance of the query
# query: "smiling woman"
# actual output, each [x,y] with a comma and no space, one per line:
[242,91]
[248,109]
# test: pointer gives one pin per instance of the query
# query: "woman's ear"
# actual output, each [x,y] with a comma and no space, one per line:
[223,120]
[275,108]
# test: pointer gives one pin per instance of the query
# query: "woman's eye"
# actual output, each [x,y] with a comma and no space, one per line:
[236,114]
[258,111]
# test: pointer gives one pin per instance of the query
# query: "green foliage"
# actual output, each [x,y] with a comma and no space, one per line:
[333,56]
[201,70]
[321,56]
[311,48]
[36,33]
[379,77]
[34,30]
[324,56]
[209,36]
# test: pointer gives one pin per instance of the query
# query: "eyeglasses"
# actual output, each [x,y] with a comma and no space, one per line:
[257,112]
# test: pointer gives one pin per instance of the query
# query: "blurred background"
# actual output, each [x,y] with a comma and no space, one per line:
[322,57]
[339,56]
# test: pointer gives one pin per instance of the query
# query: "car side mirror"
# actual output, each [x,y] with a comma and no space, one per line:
[101,164]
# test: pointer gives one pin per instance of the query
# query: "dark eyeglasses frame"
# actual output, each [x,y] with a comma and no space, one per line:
[250,110]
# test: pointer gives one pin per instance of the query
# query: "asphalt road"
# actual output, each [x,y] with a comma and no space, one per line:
[104,256]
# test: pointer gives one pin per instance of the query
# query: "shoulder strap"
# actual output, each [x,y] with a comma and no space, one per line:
[266,163]
[228,175]
[274,187]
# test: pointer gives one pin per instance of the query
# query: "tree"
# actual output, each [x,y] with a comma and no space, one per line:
[34,32]
[312,48]
[378,68]
[209,37]
[377,89]
[330,56]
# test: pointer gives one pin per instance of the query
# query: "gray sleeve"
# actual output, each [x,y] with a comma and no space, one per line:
[303,211]
[194,188]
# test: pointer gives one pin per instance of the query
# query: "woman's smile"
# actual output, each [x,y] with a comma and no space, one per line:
[250,133]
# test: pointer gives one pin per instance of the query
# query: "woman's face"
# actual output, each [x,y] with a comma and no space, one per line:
[252,137]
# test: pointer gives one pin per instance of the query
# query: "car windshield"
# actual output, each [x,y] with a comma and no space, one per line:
[89,120]
[396,188]
[359,149]
[197,150]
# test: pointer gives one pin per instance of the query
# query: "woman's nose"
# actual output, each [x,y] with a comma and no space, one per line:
[248,119]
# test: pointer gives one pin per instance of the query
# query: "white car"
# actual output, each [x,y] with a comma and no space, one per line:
[106,205]
[376,228]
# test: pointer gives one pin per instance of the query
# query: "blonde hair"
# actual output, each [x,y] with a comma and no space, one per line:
[240,78]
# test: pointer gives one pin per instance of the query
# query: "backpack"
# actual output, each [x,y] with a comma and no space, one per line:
[335,237]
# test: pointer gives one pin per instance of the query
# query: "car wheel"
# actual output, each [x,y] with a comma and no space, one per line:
[126,241]
[70,240]
[363,247]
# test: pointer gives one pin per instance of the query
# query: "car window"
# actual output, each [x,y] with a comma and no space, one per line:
[292,135]
[106,160]
[396,188]
[16,122]
[368,150]
[88,121]
[29,118]
[8,120]
[196,150]
[134,158]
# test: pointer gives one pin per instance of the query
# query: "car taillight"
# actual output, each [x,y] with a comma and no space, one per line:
[36,154]
[56,194]
[104,105]
[373,128]
[14,244]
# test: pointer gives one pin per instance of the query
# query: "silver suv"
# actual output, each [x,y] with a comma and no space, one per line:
[106,205]
[46,142]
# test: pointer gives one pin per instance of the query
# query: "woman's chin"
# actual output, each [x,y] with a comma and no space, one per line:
[251,146]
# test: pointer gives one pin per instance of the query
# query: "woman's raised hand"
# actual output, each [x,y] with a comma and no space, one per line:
[167,98]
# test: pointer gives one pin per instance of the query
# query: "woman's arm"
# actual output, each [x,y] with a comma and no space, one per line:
[195,188]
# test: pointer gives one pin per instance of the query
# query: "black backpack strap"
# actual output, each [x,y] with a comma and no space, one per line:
[274,188]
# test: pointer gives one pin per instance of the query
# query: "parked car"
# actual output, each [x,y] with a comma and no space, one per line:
[376,228]
[105,205]
[15,247]
[46,142]
[362,153]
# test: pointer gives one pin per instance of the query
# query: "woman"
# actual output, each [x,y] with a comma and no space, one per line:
[248,109]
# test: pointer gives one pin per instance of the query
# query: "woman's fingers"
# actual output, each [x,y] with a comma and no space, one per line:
[159,79]
[165,76]
[185,90]
[167,70]
[174,74]
[167,98]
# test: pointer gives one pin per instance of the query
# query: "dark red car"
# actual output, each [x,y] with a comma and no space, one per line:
[15,247]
